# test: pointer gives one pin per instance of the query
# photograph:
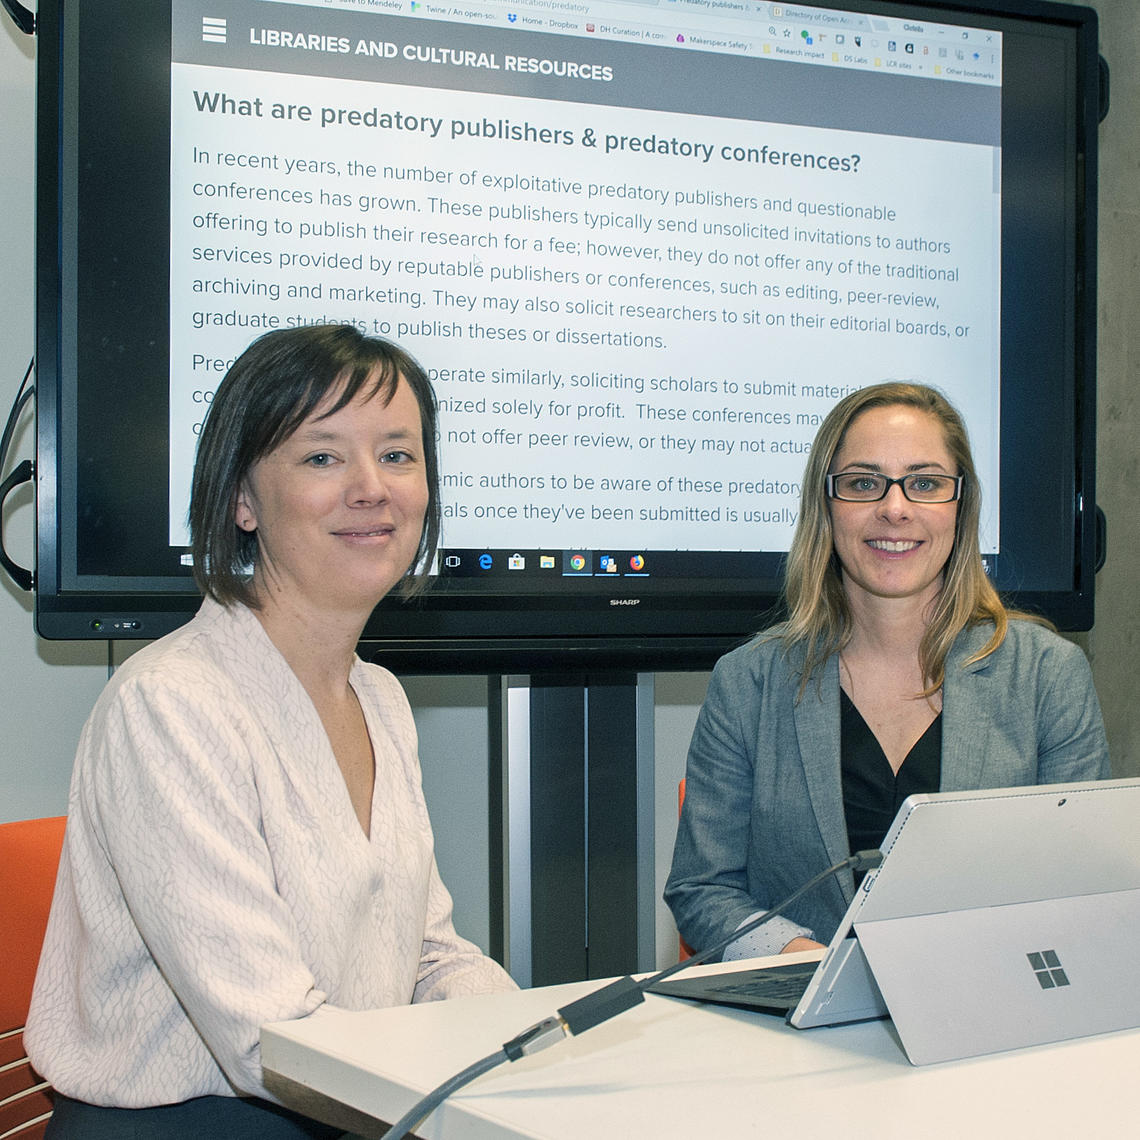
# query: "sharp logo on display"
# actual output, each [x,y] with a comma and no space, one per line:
[1047,968]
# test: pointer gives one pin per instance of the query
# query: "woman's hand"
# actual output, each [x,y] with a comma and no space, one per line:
[797,944]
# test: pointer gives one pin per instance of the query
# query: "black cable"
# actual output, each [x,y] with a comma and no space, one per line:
[10,427]
[21,17]
[23,473]
[428,1104]
[22,397]
[605,1003]
[860,861]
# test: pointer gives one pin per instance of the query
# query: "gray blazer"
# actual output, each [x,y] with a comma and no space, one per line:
[763,807]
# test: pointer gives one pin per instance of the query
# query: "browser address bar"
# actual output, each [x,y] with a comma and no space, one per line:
[555,5]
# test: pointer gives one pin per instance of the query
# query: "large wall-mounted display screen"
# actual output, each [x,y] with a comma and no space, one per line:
[641,249]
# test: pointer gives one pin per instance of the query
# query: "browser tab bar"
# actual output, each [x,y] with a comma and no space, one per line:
[821,37]
[820,17]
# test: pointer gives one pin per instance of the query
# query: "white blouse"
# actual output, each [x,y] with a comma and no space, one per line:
[215,876]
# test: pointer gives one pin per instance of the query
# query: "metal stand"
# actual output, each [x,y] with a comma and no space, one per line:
[572,875]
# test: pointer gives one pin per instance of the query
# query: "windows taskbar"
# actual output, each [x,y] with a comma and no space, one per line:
[456,562]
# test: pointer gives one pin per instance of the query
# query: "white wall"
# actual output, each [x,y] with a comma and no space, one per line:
[47,689]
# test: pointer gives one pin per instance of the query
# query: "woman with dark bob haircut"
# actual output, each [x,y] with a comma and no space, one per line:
[272,388]
[247,840]
[897,670]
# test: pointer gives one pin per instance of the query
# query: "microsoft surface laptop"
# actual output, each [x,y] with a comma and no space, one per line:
[998,919]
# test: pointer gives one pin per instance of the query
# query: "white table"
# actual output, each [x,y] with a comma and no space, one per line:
[673,1068]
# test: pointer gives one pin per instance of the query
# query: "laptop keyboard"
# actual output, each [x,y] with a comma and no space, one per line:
[771,987]
[775,984]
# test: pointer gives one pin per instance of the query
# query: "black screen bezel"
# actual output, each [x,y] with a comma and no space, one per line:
[1048,385]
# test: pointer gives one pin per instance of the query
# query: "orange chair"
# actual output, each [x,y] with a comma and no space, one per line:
[686,951]
[29,858]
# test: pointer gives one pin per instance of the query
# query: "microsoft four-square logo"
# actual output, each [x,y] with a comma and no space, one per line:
[1047,969]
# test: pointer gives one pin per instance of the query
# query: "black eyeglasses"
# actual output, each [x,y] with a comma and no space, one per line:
[870,487]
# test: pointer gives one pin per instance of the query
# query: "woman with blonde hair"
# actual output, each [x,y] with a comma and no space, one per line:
[897,670]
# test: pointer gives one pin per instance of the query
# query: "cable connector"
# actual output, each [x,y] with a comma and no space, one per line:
[866,860]
[601,1005]
[538,1037]
[577,1017]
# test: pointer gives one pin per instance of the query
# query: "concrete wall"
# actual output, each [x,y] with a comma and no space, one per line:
[1114,644]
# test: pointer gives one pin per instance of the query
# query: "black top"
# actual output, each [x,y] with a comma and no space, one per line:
[872,793]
